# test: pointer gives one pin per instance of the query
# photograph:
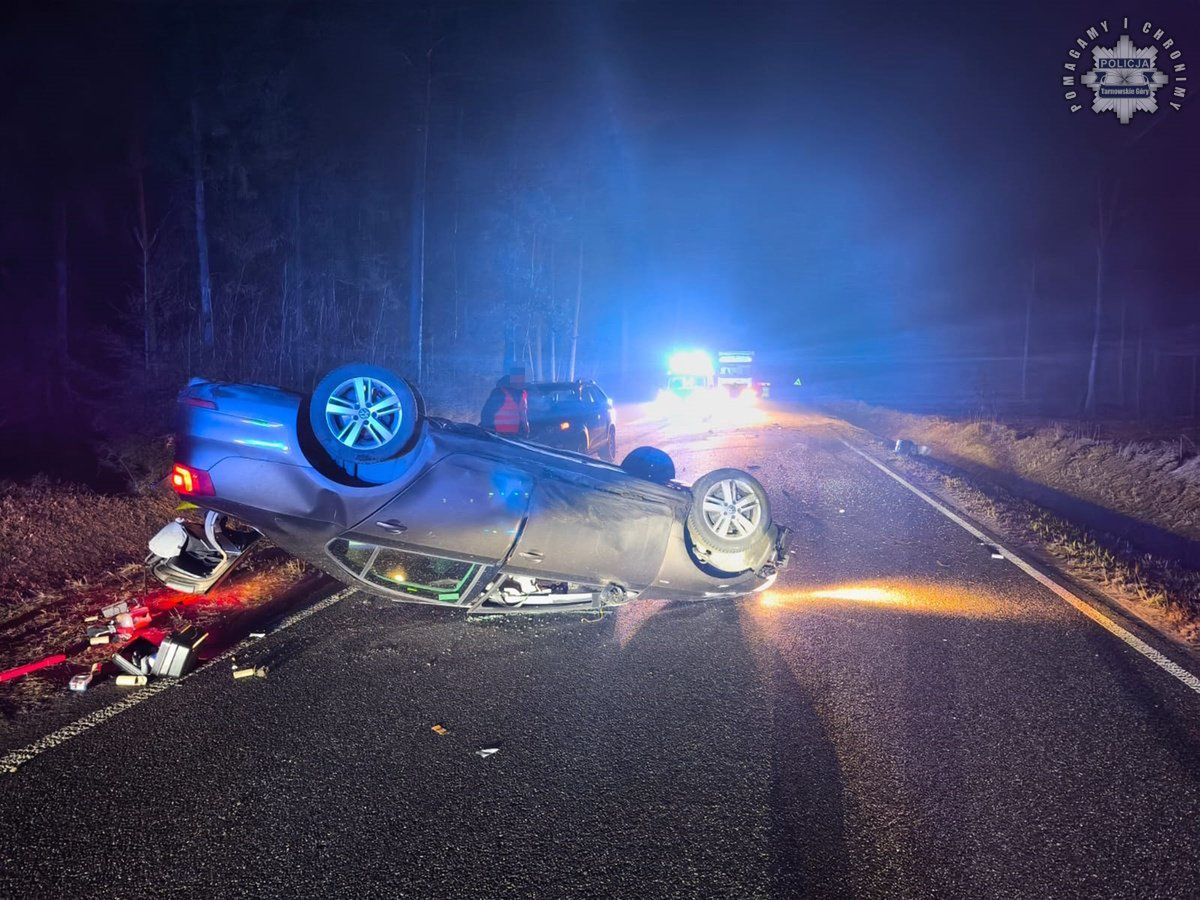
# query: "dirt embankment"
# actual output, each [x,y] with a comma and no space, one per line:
[1121,515]
[57,532]
[1145,490]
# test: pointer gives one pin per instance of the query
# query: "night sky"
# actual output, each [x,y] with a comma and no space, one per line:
[821,182]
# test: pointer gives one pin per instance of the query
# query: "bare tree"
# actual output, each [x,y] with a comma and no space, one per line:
[61,306]
[578,301]
[206,310]
[1028,319]
[1105,208]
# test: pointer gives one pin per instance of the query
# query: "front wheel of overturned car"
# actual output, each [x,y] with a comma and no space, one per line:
[730,512]
[608,452]
[363,414]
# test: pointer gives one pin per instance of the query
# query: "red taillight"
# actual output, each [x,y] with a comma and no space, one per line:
[186,480]
[197,401]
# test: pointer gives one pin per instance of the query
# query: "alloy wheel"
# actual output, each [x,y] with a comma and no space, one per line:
[363,413]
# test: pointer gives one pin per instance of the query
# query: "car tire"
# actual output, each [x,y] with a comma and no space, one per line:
[608,452]
[730,512]
[363,414]
[649,463]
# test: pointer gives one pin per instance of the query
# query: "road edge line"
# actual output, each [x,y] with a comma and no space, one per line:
[11,761]
[1157,657]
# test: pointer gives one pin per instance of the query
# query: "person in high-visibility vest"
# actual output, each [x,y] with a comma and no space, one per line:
[507,408]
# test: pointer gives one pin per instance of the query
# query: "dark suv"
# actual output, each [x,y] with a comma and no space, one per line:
[573,415]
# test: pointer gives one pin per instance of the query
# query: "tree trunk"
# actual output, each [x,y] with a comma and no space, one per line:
[1137,375]
[292,332]
[578,299]
[283,322]
[62,322]
[206,310]
[1121,355]
[1028,320]
[454,231]
[1194,358]
[145,243]
[417,307]
[538,338]
[1089,400]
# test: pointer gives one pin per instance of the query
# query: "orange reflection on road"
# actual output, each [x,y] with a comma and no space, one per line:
[922,597]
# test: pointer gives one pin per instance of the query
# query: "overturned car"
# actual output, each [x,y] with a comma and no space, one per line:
[356,479]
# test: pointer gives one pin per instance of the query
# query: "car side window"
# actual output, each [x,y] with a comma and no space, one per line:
[431,577]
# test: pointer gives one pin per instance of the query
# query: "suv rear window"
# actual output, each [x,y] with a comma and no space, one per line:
[545,401]
[431,577]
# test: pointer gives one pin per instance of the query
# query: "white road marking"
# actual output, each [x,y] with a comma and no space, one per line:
[1163,662]
[14,759]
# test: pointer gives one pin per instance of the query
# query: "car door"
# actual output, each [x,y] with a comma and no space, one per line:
[590,533]
[604,407]
[464,507]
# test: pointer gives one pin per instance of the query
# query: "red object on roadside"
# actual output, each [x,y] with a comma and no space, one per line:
[54,660]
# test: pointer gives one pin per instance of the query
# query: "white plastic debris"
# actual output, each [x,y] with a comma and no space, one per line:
[82,681]
[486,752]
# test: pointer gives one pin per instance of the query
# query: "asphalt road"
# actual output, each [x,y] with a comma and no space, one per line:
[904,717]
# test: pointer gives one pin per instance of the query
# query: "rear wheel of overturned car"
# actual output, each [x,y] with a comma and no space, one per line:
[363,414]
[730,512]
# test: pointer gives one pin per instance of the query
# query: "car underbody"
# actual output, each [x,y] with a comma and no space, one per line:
[457,517]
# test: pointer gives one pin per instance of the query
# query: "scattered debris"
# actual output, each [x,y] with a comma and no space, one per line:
[440,729]
[98,639]
[132,680]
[258,635]
[81,681]
[905,447]
[247,672]
[54,660]
[111,612]
[177,653]
[98,630]
[486,752]
[137,658]
[94,618]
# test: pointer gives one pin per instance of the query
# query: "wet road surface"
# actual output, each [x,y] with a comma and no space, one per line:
[903,716]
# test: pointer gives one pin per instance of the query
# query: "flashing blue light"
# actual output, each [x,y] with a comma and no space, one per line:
[690,362]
